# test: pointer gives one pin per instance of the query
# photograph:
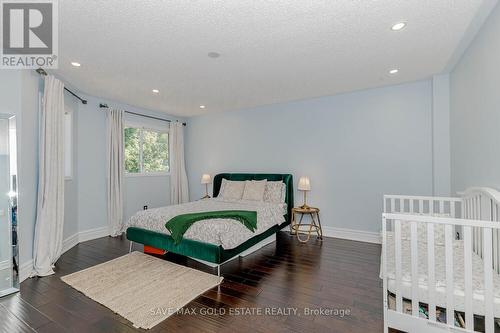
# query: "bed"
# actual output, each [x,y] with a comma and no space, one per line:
[214,241]
[440,262]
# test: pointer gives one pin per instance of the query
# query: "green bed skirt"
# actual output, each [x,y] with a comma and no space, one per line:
[204,251]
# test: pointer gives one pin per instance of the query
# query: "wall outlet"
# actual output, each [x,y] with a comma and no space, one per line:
[145,207]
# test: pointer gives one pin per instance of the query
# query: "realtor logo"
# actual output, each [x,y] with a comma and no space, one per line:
[29,34]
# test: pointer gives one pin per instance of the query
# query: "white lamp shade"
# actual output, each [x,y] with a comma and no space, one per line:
[206,179]
[304,184]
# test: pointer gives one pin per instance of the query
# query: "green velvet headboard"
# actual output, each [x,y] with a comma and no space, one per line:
[286,178]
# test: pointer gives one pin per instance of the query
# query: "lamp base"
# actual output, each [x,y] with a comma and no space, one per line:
[304,206]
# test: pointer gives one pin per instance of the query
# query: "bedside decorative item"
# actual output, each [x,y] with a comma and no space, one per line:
[206,179]
[313,226]
[305,186]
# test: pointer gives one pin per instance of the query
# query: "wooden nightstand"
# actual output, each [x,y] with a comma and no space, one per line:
[307,228]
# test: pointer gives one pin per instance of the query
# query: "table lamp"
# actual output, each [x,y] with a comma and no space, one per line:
[206,179]
[305,186]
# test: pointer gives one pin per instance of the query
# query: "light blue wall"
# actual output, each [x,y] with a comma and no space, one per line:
[85,193]
[355,147]
[91,145]
[475,111]
[71,185]
[441,135]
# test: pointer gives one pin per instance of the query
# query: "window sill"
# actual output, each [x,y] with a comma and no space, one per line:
[148,174]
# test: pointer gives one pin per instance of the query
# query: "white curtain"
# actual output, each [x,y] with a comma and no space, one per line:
[115,161]
[48,241]
[178,179]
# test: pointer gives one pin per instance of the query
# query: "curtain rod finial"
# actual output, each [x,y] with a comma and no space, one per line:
[41,71]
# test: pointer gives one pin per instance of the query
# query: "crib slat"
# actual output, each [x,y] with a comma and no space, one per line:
[441,206]
[397,252]
[384,251]
[414,270]
[421,206]
[431,273]
[495,250]
[384,267]
[452,209]
[488,282]
[475,232]
[431,206]
[468,208]
[411,206]
[469,321]
[496,240]
[496,244]
[393,205]
[481,235]
[450,286]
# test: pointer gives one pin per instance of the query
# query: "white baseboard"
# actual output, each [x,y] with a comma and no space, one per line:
[352,234]
[90,234]
[84,236]
[69,242]
[26,268]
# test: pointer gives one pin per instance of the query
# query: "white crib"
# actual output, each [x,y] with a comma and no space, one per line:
[432,243]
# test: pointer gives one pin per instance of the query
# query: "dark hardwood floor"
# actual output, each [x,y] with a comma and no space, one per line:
[333,274]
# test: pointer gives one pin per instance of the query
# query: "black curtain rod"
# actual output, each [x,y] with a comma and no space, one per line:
[41,71]
[105,106]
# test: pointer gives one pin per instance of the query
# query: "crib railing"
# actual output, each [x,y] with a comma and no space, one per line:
[476,203]
[482,203]
[422,205]
[395,221]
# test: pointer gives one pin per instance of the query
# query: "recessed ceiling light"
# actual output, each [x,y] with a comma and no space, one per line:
[156,91]
[213,54]
[398,26]
[394,71]
[76,64]
[202,106]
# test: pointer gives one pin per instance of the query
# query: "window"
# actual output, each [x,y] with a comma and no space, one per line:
[68,144]
[146,150]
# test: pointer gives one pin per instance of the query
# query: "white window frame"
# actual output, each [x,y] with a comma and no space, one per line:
[131,124]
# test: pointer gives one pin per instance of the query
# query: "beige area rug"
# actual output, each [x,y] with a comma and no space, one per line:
[141,288]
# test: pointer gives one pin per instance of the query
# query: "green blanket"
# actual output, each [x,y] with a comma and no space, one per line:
[179,224]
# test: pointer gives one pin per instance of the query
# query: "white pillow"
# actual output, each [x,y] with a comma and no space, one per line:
[254,190]
[232,190]
[275,192]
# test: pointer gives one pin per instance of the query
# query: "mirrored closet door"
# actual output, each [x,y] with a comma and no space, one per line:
[9,254]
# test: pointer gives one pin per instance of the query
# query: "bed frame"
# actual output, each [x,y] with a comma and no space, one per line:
[211,253]
[474,218]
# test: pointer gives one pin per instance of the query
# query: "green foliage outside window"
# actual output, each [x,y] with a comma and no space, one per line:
[145,150]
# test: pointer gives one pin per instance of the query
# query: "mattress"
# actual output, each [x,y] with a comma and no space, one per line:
[221,232]
[440,276]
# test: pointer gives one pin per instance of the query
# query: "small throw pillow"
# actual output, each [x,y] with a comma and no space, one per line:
[275,192]
[232,190]
[254,190]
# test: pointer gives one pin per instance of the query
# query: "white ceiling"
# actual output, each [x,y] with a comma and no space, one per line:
[271,51]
